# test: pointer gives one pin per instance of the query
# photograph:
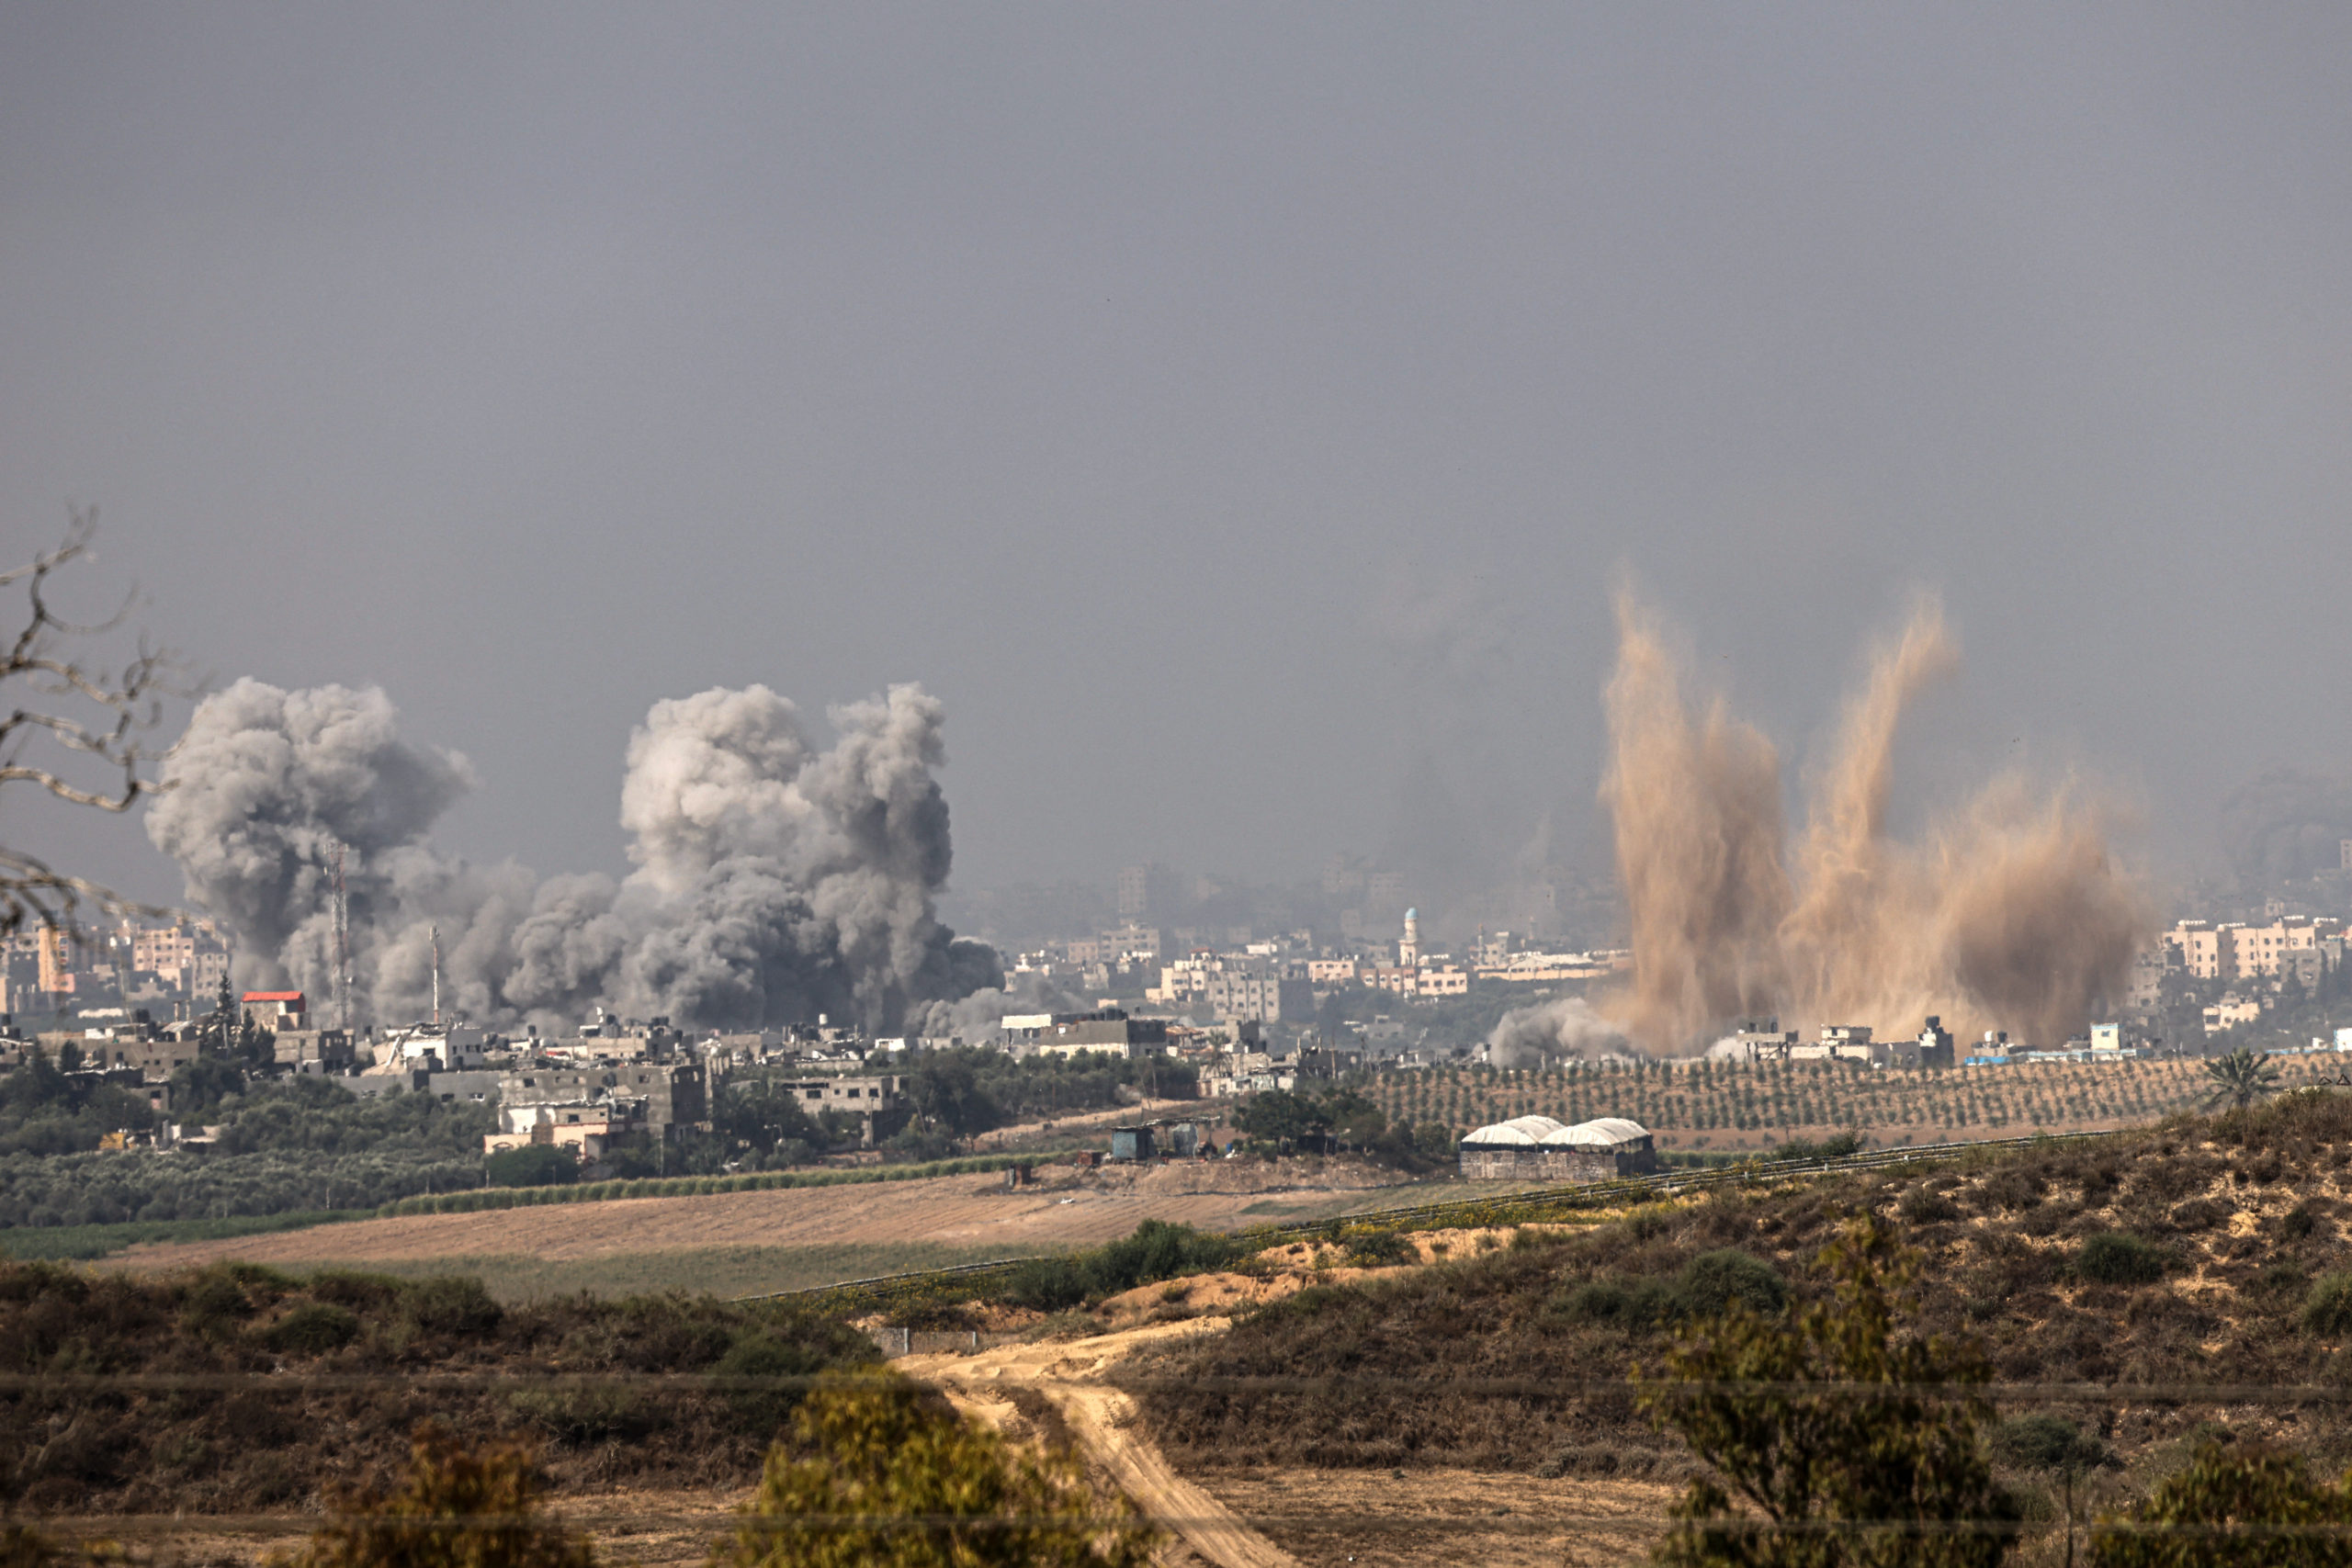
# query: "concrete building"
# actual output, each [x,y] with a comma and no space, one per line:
[2304,946]
[1933,1048]
[880,1101]
[1763,1039]
[2232,1010]
[1264,997]
[1110,1031]
[1549,969]
[653,1097]
[1442,979]
[433,1047]
[1144,890]
[313,1051]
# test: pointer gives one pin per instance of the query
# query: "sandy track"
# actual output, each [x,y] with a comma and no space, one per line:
[1297,1517]
[1104,1422]
[972,1212]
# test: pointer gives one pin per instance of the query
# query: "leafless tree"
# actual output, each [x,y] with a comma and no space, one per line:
[70,716]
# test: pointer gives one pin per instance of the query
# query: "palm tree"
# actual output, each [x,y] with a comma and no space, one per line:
[2242,1076]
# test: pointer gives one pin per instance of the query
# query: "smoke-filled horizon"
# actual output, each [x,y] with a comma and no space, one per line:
[775,883]
[2010,912]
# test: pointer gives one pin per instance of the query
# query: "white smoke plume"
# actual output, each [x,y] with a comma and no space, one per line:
[1569,1029]
[773,882]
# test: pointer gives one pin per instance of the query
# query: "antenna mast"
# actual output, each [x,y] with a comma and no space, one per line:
[341,948]
[435,932]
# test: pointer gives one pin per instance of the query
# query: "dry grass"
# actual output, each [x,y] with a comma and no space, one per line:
[745,1242]
[233,1390]
[1445,1515]
[1459,1365]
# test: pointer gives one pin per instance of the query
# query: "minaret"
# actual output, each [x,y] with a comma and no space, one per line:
[1409,952]
[433,933]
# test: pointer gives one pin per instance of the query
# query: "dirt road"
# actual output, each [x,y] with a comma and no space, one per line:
[1103,1421]
[1299,1518]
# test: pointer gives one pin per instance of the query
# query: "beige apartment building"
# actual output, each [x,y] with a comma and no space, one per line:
[2234,950]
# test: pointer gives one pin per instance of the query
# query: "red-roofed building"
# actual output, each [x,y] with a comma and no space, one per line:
[275,1009]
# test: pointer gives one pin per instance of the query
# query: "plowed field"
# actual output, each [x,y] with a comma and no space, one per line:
[737,1243]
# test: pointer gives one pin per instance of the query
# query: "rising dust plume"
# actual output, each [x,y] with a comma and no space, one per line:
[2010,914]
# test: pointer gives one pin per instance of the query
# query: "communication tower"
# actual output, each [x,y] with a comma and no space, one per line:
[341,948]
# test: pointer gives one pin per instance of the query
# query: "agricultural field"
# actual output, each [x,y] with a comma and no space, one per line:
[750,1242]
[1728,1107]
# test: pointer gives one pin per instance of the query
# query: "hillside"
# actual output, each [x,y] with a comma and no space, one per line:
[1473,1362]
[234,1390]
[1722,1106]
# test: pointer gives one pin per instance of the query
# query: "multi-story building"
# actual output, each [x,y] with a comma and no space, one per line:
[1110,1031]
[2299,945]
[2232,1010]
[655,1097]
[187,956]
[1264,996]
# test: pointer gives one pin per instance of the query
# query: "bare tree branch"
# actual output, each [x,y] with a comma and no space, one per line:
[62,700]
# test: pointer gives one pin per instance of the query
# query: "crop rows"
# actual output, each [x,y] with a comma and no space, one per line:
[1731,1105]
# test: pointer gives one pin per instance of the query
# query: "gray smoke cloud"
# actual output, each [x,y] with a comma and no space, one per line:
[978,1017]
[1567,1029]
[267,783]
[2284,826]
[774,882]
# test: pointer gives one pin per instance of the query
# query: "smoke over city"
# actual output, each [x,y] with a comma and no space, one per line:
[2010,914]
[1567,1028]
[773,882]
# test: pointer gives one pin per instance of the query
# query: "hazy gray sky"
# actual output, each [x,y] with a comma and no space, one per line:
[1220,408]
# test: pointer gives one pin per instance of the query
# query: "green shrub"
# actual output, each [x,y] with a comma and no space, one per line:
[214,1296]
[2328,1309]
[1616,1304]
[2278,1279]
[2298,1222]
[1158,1250]
[1710,1283]
[312,1328]
[349,1287]
[1380,1250]
[1925,1206]
[532,1165]
[2119,1258]
[1047,1284]
[578,1415]
[756,1353]
[2046,1442]
[452,1304]
[2202,1513]
[1707,1286]
[1837,1146]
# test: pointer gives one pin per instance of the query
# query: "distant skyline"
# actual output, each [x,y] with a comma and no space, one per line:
[1238,419]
